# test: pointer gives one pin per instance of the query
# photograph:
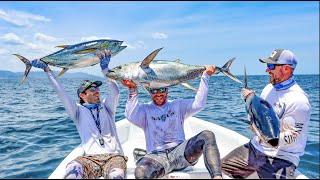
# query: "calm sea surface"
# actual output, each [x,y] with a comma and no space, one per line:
[36,133]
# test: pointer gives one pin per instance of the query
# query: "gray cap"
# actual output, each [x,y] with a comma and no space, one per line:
[281,56]
[86,84]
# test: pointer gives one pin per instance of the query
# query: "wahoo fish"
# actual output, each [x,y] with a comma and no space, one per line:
[76,56]
[161,73]
[264,122]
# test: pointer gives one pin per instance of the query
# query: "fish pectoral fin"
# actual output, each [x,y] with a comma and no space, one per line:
[85,51]
[62,46]
[145,63]
[188,86]
[63,71]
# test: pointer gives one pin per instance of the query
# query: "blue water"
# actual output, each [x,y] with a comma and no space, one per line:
[36,133]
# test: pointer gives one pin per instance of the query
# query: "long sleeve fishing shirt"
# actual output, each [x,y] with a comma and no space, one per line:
[85,122]
[293,124]
[163,125]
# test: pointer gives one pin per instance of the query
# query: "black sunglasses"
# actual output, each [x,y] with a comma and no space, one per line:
[159,90]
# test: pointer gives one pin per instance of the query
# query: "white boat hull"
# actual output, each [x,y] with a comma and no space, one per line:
[133,137]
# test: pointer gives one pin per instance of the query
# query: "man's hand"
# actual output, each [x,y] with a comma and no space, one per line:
[210,69]
[245,93]
[104,57]
[39,64]
[129,83]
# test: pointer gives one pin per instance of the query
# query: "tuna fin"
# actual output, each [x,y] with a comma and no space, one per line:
[85,51]
[62,46]
[188,86]
[145,63]
[228,64]
[63,71]
[245,78]
[226,70]
[28,66]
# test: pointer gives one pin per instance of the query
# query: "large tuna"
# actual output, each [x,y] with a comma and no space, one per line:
[160,73]
[76,56]
[264,121]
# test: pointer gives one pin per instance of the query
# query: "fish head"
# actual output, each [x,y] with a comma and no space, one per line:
[120,72]
[264,119]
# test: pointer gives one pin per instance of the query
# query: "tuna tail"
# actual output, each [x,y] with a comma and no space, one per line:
[28,66]
[245,78]
[225,69]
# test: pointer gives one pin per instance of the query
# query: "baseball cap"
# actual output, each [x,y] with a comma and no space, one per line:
[86,84]
[281,56]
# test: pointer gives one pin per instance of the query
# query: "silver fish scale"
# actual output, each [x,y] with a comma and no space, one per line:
[66,58]
[160,73]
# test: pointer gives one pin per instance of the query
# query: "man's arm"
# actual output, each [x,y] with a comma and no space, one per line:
[112,99]
[69,104]
[192,106]
[293,124]
[134,112]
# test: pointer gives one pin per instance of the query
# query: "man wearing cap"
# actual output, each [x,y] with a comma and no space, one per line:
[95,122]
[283,94]
[162,121]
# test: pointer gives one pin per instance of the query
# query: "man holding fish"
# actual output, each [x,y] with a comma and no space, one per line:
[292,105]
[95,122]
[162,121]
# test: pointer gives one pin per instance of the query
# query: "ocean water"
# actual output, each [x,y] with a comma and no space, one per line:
[36,133]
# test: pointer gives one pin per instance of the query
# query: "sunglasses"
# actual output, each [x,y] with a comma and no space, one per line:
[93,89]
[273,66]
[160,90]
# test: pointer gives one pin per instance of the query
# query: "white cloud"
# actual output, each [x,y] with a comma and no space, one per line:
[137,45]
[11,38]
[43,37]
[159,35]
[3,51]
[20,18]
[90,38]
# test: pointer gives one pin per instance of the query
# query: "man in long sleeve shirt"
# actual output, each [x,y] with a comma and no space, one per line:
[284,95]
[95,122]
[162,121]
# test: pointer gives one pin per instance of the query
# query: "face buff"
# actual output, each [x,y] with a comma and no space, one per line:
[285,84]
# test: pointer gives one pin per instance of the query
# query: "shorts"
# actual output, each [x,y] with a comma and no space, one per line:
[95,166]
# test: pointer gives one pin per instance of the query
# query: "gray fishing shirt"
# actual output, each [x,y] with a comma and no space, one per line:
[163,125]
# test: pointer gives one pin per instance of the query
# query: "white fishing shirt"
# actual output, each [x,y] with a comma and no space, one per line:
[85,123]
[295,118]
[164,125]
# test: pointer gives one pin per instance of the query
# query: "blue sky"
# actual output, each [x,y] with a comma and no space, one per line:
[196,32]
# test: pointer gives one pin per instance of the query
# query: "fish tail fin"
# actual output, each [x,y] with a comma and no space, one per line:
[226,70]
[28,66]
[245,78]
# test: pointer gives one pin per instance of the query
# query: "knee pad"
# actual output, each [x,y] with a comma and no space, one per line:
[74,170]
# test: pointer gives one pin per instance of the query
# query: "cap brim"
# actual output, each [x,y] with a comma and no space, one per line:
[97,83]
[268,60]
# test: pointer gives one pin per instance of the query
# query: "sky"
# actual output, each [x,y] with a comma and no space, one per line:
[198,33]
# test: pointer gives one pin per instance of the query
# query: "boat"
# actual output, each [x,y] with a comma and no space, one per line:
[132,137]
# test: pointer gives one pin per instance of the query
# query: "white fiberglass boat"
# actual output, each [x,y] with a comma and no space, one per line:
[133,137]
